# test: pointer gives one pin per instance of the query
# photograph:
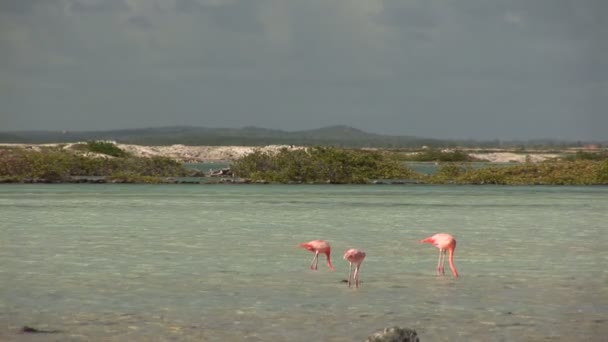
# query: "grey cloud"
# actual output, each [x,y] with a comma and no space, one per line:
[188,6]
[140,21]
[25,6]
[558,18]
[516,40]
[570,19]
[237,16]
[240,16]
[99,5]
[462,69]
[408,14]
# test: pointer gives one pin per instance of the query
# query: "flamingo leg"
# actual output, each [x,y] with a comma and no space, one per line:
[356,276]
[315,261]
[445,253]
[349,270]
[440,263]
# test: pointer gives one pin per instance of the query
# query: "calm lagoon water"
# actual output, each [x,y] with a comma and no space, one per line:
[218,262]
[421,167]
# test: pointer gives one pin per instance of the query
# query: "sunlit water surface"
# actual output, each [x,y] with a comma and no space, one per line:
[219,263]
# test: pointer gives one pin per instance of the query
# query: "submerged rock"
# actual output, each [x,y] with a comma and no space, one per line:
[394,334]
[29,330]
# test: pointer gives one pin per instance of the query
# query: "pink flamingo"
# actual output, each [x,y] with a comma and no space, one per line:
[318,246]
[354,256]
[445,242]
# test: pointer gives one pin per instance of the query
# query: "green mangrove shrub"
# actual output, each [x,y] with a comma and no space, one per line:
[582,172]
[582,155]
[61,164]
[105,147]
[602,173]
[319,165]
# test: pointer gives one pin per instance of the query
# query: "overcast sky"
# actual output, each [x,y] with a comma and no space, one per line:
[481,69]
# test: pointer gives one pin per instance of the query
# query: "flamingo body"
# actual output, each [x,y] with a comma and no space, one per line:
[354,257]
[317,247]
[446,243]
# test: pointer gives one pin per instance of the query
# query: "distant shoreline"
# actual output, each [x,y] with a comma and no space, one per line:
[227,154]
[180,180]
[105,162]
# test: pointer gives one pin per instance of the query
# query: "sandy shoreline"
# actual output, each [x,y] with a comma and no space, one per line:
[225,154]
[198,154]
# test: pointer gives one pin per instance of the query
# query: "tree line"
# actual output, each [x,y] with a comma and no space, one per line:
[54,164]
[314,165]
[344,166]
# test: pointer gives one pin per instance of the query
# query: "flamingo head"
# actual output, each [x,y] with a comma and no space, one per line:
[428,240]
[306,246]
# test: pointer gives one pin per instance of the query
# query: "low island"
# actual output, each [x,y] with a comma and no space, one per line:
[111,162]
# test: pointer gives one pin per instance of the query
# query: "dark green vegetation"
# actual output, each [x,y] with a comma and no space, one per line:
[580,172]
[581,155]
[341,136]
[104,147]
[339,166]
[313,165]
[435,155]
[320,165]
[59,165]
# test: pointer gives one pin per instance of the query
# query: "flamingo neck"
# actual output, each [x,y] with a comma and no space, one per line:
[451,261]
[328,255]
[428,240]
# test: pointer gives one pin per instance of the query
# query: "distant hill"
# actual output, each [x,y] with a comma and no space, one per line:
[343,136]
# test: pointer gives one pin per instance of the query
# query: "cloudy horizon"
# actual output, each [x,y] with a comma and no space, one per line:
[467,69]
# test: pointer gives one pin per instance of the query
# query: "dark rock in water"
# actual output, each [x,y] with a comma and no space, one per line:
[394,334]
[196,173]
[30,330]
[221,172]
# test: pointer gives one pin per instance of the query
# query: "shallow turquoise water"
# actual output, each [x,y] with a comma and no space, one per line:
[420,167]
[218,262]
